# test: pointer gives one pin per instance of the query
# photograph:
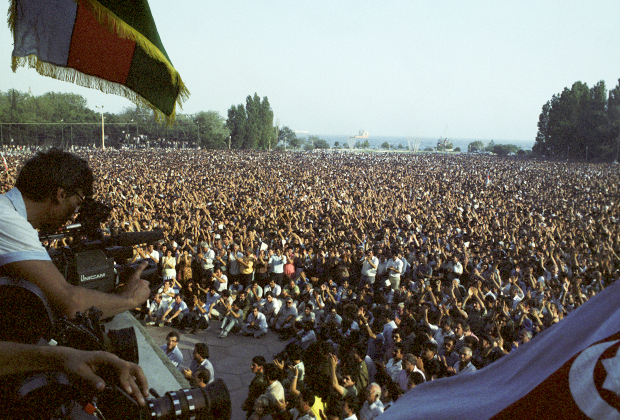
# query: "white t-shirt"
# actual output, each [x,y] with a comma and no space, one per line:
[19,241]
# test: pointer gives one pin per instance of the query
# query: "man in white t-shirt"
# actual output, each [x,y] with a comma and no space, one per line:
[395,270]
[220,280]
[369,267]
[276,265]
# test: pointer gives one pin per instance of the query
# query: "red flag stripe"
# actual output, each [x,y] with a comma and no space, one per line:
[98,52]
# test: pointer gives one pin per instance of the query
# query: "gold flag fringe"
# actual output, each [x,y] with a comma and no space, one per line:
[123,30]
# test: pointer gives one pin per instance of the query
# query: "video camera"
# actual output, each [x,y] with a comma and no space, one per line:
[52,395]
[89,260]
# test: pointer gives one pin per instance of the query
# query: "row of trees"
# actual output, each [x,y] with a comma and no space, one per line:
[492,147]
[63,119]
[580,123]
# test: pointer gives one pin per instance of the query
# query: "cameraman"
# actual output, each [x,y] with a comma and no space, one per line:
[49,190]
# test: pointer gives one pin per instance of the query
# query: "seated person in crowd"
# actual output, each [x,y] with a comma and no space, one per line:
[176,313]
[256,324]
[232,318]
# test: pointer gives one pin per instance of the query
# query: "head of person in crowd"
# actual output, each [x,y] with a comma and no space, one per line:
[272,373]
[414,379]
[172,340]
[465,355]
[258,365]
[448,345]
[373,393]
[201,377]
[201,352]
[261,404]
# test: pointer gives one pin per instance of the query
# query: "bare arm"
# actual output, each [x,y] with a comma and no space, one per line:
[333,361]
[67,299]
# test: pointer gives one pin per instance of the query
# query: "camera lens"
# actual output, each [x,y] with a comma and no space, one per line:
[210,402]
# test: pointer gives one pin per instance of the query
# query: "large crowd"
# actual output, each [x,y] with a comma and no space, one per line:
[381,271]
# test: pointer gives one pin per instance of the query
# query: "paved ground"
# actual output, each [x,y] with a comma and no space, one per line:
[231,357]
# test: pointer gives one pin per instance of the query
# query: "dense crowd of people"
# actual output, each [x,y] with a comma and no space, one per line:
[381,271]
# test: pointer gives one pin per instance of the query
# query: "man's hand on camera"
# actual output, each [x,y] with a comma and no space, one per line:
[86,366]
[136,289]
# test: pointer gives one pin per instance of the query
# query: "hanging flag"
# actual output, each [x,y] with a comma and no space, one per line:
[110,45]
[6,167]
[570,371]
[488,178]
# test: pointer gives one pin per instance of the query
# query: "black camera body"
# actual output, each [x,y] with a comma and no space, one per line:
[90,259]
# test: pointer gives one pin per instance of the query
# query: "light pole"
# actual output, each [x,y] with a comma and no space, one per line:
[198,130]
[62,139]
[102,129]
[137,135]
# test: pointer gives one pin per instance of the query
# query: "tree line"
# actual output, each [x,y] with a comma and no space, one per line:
[580,123]
[63,119]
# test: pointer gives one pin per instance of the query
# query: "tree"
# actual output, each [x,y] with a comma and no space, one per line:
[490,147]
[336,144]
[251,127]
[613,115]
[294,142]
[63,119]
[385,145]
[212,129]
[579,119]
[266,115]
[318,143]
[475,146]
[254,126]
[286,133]
[236,124]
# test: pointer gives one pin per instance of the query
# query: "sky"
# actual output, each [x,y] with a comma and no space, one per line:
[463,69]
